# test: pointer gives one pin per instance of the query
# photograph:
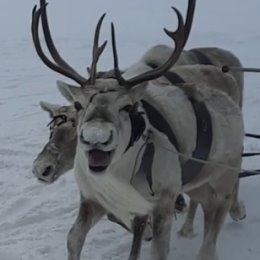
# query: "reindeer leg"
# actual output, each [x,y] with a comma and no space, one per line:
[214,218]
[89,214]
[147,235]
[139,224]
[237,211]
[215,209]
[162,223]
[187,228]
[114,219]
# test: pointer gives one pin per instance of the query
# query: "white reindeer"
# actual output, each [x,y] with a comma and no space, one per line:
[158,55]
[58,154]
[115,113]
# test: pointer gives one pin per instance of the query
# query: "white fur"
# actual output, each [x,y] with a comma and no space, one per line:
[112,191]
[97,133]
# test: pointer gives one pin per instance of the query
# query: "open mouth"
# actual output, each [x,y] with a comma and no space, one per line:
[99,160]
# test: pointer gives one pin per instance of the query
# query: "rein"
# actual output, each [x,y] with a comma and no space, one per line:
[227,68]
[243,172]
[147,141]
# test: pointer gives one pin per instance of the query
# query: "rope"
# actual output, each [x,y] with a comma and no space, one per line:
[252,135]
[250,154]
[147,139]
[248,173]
[244,172]
[226,69]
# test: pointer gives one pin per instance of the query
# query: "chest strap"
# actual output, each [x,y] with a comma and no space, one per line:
[191,168]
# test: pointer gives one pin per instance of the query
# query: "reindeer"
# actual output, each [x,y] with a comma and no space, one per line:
[115,128]
[57,157]
[158,55]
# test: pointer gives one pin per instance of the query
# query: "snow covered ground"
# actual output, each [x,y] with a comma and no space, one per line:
[34,218]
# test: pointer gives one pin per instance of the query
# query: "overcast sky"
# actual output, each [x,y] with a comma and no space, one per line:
[79,16]
[72,24]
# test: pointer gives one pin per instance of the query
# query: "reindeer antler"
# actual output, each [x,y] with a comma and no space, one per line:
[60,65]
[64,70]
[189,19]
[179,36]
[97,51]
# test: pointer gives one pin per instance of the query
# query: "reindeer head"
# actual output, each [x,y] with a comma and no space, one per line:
[58,154]
[108,109]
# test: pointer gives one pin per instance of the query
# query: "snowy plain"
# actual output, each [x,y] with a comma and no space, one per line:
[35,218]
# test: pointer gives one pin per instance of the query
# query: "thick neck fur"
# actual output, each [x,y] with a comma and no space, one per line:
[113,189]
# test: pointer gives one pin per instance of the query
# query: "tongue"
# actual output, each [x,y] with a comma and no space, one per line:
[98,158]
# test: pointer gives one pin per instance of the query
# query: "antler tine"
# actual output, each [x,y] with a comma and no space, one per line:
[51,46]
[189,19]
[178,36]
[97,51]
[120,79]
[35,35]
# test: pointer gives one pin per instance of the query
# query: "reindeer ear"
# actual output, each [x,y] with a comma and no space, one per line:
[52,109]
[71,93]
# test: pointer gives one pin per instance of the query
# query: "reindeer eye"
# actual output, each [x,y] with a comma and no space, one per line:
[77,106]
[126,108]
[64,118]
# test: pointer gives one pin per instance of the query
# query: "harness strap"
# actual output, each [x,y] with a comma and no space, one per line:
[158,122]
[191,168]
[201,57]
[146,165]
[174,78]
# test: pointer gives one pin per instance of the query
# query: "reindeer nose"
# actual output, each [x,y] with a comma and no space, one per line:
[93,136]
[47,171]
[45,174]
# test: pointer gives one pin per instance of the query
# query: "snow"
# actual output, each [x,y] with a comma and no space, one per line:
[34,218]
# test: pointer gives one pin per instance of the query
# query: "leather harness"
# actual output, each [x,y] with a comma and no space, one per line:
[190,168]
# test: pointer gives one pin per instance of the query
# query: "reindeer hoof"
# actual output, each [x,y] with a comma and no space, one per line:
[148,233]
[186,232]
[207,253]
[238,212]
